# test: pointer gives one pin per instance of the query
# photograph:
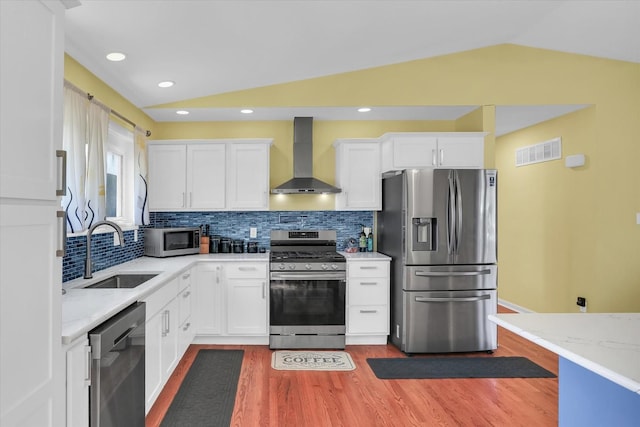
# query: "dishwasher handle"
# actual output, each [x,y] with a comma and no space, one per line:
[108,335]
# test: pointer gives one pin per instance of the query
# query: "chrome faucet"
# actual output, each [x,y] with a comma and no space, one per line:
[87,263]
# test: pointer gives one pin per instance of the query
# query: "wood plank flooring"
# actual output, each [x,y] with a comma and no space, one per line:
[267,397]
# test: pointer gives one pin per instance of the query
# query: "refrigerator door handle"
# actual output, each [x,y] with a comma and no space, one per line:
[451,273]
[458,229]
[454,299]
[451,208]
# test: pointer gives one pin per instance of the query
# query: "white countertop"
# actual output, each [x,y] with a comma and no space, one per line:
[607,344]
[365,256]
[84,309]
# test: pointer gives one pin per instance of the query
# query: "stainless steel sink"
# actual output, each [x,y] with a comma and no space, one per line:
[123,281]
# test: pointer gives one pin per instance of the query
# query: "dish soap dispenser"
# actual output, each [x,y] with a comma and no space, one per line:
[362,242]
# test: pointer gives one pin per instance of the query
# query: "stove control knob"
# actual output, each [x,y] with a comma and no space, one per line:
[334,266]
[324,266]
[281,266]
[292,266]
[307,266]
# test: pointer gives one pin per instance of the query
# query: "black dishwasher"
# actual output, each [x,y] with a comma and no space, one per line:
[117,370]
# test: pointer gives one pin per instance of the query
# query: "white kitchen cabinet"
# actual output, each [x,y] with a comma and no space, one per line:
[32,362]
[414,150]
[358,174]
[161,346]
[367,301]
[248,175]
[209,175]
[247,298]
[186,176]
[209,299]
[78,364]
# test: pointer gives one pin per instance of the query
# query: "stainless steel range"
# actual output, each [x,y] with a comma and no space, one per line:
[307,290]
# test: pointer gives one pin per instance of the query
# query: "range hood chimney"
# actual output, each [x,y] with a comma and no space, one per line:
[303,181]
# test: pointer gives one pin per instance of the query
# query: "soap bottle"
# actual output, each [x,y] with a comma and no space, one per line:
[370,241]
[362,242]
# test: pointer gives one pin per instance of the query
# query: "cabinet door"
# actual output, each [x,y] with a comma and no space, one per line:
[167,177]
[169,357]
[414,152]
[31,76]
[247,306]
[208,303]
[78,380]
[358,175]
[154,328]
[206,176]
[461,152]
[248,176]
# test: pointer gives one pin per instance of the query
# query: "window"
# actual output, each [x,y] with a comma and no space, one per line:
[119,170]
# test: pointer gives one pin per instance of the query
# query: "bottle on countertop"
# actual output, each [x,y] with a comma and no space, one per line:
[362,242]
[370,241]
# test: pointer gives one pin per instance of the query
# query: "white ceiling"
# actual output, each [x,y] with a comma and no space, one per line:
[210,47]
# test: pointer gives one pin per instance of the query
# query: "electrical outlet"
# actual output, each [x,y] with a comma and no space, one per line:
[582,303]
[116,239]
[135,235]
[253,232]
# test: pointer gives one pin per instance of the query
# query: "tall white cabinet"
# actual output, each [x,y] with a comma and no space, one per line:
[31,77]
[209,175]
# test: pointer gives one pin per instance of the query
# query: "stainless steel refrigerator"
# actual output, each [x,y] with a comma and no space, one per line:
[440,228]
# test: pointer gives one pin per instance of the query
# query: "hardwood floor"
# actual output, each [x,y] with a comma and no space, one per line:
[267,397]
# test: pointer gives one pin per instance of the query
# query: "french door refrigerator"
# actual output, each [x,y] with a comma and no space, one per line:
[439,227]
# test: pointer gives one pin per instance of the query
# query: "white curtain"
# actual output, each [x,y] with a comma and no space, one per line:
[141,208]
[74,137]
[85,131]
[97,134]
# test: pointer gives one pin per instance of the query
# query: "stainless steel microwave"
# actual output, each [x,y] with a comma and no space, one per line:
[166,242]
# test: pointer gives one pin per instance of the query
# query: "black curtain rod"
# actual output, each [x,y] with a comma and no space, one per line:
[120,116]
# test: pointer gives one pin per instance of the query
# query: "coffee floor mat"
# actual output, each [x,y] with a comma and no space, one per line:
[310,360]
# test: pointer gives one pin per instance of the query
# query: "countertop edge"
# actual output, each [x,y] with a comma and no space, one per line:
[605,372]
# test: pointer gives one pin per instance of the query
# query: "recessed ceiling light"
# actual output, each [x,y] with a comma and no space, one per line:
[167,83]
[364,110]
[116,56]
[246,111]
[182,112]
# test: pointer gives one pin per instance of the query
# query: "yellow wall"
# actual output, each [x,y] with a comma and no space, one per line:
[563,233]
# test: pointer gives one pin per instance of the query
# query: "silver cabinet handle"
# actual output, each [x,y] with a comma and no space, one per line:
[247,268]
[62,191]
[190,199]
[368,283]
[441,157]
[264,290]
[433,157]
[184,199]
[368,311]
[368,267]
[454,299]
[62,216]
[451,273]
[165,323]
[87,365]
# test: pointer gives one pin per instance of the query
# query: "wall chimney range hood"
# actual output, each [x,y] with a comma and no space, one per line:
[303,181]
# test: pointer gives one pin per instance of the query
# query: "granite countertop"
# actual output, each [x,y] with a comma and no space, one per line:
[607,344]
[365,256]
[84,309]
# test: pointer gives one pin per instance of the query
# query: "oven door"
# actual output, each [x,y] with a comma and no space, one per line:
[302,302]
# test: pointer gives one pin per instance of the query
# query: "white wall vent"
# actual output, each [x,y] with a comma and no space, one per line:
[540,152]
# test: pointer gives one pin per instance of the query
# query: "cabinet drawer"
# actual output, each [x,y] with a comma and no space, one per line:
[161,297]
[368,291]
[368,319]
[368,269]
[185,279]
[246,270]
[184,299]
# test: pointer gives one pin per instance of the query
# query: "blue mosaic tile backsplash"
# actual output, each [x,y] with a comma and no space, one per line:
[227,224]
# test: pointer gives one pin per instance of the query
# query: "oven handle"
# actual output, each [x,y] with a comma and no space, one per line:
[308,276]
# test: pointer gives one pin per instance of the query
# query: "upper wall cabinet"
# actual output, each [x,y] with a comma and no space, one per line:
[209,175]
[358,174]
[432,150]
